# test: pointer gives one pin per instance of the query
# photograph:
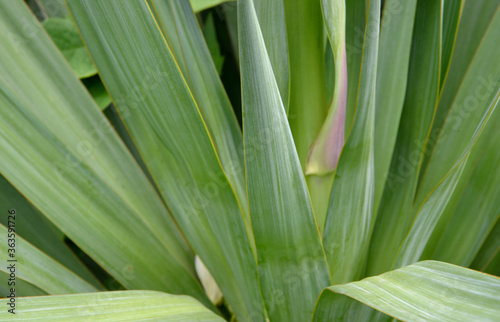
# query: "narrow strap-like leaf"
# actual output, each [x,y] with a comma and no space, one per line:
[452,12]
[154,100]
[426,291]
[109,306]
[475,205]
[35,229]
[472,101]
[307,98]
[292,265]
[394,215]
[271,15]
[184,37]
[62,154]
[435,204]
[23,260]
[200,5]
[392,73]
[347,231]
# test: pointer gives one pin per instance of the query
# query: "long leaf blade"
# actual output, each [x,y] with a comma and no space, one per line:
[464,107]
[155,103]
[394,214]
[392,72]
[32,265]
[292,265]
[429,291]
[109,306]
[61,153]
[347,231]
[185,38]
[35,229]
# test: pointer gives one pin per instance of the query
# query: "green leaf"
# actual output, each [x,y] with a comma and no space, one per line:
[64,34]
[475,204]
[433,207]
[271,15]
[54,8]
[200,5]
[157,107]
[62,154]
[32,265]
[472,101]
[392,74]
[33,227]
[98,91]
[22,288]
[452,11]
[212,42]
[347,230]
[488,257]
[307,105]
[109,306]
[291,260]
[184,37]
[394,214]
[426,291]
[307,92]
[474,23]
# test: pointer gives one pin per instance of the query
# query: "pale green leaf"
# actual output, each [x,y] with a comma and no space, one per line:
[185,39]
[30,264]
[474,23]
[475,205]
[54,8]
[109,306]
[392,72]
[307,92]
[154,100]
[426,291]
[433,207]
[291,260]
[22,287]
[468,107]
[307,105]
[347,230]
[394,214]
[34,228]
[64,34]
[271,15]
[62,154]
[200,5]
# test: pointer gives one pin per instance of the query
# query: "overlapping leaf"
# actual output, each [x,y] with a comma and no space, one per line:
[28,263]
[110,306]
[347,231]
[61,153]
[429,290]
[392,72]
[394,214]
[154,100]
[292,264]
[35,229]
[184,37]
